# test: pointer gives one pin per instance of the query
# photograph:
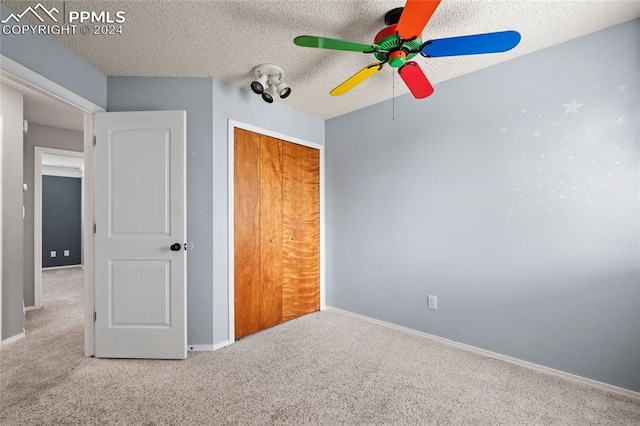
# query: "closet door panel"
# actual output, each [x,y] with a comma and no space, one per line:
[301,220]
[310,290]
[270,231]
[247,232]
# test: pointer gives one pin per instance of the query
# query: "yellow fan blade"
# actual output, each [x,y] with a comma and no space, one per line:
[356,79]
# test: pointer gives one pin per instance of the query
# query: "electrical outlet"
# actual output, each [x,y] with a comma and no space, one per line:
[53,254]
[433,302]
[66,252]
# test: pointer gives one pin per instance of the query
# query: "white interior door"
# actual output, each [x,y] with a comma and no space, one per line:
[140,212]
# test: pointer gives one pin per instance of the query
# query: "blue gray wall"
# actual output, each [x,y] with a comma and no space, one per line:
[194,95]
[49,137]
[45,56]
[61,220]
[209,104]
[516,208]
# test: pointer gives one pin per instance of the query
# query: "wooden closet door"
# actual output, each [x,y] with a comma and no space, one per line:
[276,231]
[246,232]
[301,230]
[270,232]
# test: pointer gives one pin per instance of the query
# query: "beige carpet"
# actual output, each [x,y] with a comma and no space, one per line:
[325,368]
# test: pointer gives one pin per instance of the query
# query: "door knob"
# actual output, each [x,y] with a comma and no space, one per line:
[176,247]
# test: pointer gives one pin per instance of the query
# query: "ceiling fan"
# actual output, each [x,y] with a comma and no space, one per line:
[400,41]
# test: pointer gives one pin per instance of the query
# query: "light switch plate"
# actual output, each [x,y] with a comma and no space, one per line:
[66,252]
[53,254]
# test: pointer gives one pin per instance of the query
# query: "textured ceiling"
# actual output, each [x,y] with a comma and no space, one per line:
[226,39]
[41,109]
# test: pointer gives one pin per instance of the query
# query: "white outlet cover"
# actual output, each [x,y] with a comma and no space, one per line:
[433,302]
[53,254]
[66,252]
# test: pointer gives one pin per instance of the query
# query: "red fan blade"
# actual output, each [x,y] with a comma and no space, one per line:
[416,81]
[414,18]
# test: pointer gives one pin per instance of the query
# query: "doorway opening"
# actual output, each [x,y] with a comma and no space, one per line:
[53,204]
[57,214]
[60,124]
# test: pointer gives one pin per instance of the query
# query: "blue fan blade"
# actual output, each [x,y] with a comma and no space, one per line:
[471,44]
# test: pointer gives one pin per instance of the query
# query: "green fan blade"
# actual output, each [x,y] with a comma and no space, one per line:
[332,43]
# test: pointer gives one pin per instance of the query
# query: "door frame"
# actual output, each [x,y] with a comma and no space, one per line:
[232,125]
[37,217]
[20,74]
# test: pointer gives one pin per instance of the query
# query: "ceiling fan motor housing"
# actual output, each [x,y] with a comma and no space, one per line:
[399,53]
[392,17]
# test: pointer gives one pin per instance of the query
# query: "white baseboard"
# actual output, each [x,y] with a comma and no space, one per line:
[12,339]
[208,348]
[51,268]
[540,368]
[221,345]
[29,308]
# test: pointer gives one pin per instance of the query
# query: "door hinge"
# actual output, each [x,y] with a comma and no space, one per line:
[94,140]
[94,228]
[95,316]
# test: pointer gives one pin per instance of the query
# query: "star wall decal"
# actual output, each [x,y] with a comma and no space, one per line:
[572,107]
[577,170]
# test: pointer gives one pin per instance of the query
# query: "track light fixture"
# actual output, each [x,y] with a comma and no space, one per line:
[269,82]
[281,87]
[269,95]
[260,84]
